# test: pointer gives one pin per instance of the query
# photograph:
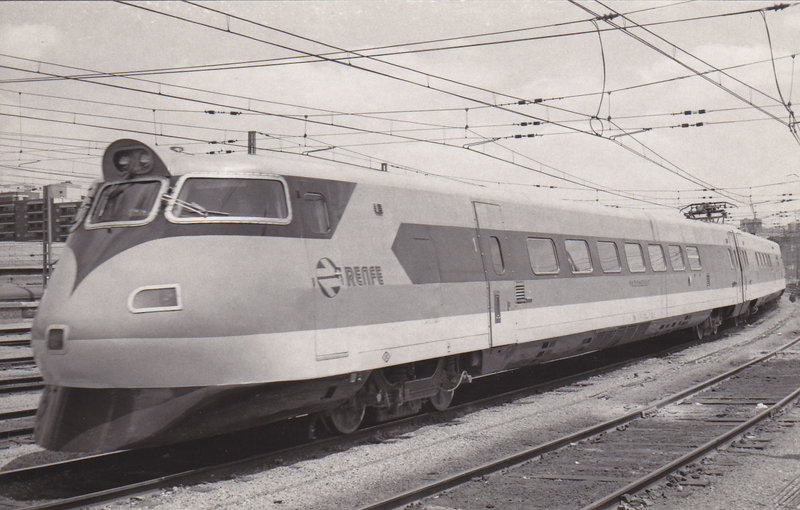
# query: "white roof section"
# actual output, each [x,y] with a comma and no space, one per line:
[276,163]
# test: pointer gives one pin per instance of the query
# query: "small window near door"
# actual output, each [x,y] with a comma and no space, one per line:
[693,254]
[497,255]
[316,213]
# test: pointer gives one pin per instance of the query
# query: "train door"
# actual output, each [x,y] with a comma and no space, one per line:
[493,247]
[738,247]
[323,257]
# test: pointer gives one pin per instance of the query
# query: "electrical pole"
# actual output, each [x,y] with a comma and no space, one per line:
[251,142]
[47,232]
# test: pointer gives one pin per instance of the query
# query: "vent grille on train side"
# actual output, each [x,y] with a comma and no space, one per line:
[519,293]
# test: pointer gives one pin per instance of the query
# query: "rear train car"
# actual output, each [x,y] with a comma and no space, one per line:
[204,294]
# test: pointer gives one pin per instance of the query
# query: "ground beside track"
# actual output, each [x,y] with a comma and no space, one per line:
[356,474]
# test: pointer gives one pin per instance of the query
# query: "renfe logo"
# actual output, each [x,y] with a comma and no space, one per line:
[332,278]
[329,277]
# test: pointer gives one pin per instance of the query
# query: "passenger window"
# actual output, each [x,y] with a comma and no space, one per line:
[656,252]
[676,257]
[497,255]
[578,254]
[542,254]
[316,213]
[633,252]
[694,258]
[609,256]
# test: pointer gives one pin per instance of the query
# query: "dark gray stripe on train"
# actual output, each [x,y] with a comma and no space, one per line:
[93,247]
[446,254]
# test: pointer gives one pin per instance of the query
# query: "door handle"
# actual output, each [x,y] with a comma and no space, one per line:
[496,307]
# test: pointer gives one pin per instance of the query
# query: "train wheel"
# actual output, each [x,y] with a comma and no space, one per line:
[442,400]
[346,418]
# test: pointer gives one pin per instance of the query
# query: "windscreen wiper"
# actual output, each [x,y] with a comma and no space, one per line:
[195,207]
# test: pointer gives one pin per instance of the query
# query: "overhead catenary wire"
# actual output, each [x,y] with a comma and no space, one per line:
[673,168]
[370,115]
[362,51]
[788,106]
[163,94]
[680,62]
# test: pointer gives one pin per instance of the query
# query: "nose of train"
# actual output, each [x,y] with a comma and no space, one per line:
[151,315]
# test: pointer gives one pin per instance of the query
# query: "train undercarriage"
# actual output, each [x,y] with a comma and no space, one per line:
[403,390]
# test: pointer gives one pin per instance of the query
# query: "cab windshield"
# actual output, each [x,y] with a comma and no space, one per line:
[131,202]
[230,199]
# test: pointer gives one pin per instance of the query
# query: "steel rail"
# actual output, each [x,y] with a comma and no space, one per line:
[16,343]
[8,434]
[657,474]
[519,457]
[19,327]
[22,360]
[21,384]
[13,415]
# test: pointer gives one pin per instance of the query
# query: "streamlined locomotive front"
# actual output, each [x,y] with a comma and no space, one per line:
[172,299]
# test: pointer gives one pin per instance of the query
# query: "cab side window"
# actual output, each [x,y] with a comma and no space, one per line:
[315,213]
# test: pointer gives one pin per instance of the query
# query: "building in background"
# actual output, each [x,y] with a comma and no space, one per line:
[752,225]
[22,213]
[788,238]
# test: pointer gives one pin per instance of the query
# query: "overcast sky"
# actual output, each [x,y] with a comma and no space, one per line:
[449,107]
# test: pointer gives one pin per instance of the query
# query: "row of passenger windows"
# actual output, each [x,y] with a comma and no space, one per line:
[544,257]
[764,259]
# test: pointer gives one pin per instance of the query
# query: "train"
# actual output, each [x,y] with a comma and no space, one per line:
[203,294]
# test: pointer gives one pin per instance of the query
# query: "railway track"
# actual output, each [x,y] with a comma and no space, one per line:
[595,467]
[15,362]
[19,384]
[15,327]
[15,334]
[19,423]
[237,451]
[16,423]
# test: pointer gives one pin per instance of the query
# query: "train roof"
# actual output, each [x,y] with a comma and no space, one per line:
[277,163]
